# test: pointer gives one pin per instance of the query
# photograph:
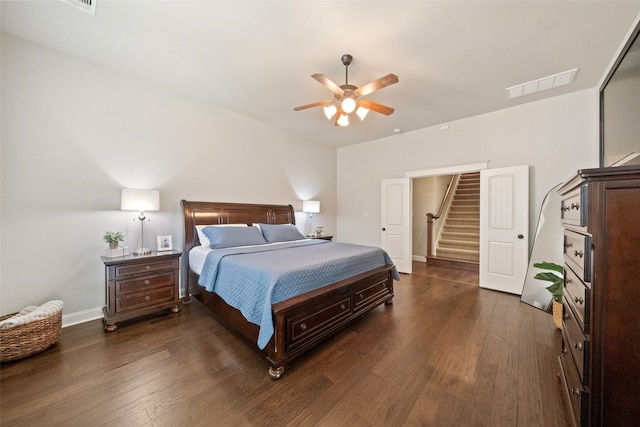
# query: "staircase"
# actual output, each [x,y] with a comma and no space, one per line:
[459,242]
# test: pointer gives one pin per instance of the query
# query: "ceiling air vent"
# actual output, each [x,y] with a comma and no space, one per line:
[544,83]
[88,6]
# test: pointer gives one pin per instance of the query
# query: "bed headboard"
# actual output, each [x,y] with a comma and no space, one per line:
[202,213]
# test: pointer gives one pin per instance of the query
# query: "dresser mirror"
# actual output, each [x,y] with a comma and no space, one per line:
[547,246]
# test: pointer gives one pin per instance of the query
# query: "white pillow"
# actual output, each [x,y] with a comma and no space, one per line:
[204,240]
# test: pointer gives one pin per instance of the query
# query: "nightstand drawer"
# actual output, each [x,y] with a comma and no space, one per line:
[574,341]
[145,299]
[144,283]
[146,267]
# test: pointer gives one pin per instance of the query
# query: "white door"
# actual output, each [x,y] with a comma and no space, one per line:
[504,227]
[396,222]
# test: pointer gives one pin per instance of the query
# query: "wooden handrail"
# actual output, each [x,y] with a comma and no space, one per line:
[432,217]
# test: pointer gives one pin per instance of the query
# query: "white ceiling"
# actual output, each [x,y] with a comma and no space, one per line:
[454,59]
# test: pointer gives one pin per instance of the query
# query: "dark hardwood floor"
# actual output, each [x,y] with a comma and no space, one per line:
[446,353]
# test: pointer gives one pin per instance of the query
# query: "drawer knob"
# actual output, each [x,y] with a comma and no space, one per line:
[361,296]
[564,209]
[147,298]
[579,254]
[303,326]
[577,346]
[568,245]
[578,300]
[146,282]
[148,267]
[575,206]
[575,391]
[342,307]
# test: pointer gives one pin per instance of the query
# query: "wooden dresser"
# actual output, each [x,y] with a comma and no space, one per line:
[600,354]
[140,285]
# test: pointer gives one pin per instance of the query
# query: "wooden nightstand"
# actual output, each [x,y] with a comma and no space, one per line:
[322,237]
[141,285]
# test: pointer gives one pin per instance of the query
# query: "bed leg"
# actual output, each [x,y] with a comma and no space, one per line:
[276,373]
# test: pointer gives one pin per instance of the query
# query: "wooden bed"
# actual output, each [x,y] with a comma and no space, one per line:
[300,323]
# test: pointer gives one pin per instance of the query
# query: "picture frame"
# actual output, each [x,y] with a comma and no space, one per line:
[164,243]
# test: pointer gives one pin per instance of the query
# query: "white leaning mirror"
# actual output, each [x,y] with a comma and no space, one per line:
[547,246]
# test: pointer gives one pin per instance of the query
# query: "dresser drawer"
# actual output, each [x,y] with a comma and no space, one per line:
[577,294]
[573,207]
[575,341]
[574,391]
[577,253]
[144,283]
[310,324]
[141,300]
[145,267]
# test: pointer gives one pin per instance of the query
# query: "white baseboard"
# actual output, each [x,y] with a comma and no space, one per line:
[81,316]
[420,258]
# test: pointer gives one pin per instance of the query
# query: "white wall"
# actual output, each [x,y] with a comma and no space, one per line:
[555,137]
[74,134]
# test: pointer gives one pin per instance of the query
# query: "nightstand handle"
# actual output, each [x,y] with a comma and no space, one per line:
[146,282]
[148,267]
[147,298]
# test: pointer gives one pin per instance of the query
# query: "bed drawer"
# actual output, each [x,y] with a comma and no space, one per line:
[371,294]
[314,321]
[143,284]
[577,253]
[145,299]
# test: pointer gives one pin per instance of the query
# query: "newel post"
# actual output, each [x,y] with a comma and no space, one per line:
[429,232]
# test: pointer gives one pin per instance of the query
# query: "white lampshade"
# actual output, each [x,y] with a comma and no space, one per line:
[311,206]
[343,120]
[330,111]
[362,112]
[348,105]
[140,200]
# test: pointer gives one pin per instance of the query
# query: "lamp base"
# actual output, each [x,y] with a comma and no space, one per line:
[142,251]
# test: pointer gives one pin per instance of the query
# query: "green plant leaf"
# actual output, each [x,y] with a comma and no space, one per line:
[549,266]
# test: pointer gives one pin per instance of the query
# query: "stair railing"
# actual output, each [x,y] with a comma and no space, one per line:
[431,217]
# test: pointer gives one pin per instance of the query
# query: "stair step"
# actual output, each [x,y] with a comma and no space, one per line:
[459,228]
[449,235]
[459,244]
[464,221]
[458,254]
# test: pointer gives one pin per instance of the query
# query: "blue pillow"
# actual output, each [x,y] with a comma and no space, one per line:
[280,232]
[226,237]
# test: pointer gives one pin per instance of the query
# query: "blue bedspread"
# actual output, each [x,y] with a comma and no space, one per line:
[251,279]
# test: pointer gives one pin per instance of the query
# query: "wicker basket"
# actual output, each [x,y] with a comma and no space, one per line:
[557,313]
[32,338]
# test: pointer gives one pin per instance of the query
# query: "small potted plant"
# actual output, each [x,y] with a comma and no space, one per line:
[113,238]
[319,231]
[556,287]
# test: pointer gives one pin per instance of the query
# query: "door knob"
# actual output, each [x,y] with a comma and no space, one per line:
[520,236]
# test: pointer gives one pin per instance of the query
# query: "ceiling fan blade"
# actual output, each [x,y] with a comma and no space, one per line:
[315,104]
[328,83]
[382,82]
[374,106]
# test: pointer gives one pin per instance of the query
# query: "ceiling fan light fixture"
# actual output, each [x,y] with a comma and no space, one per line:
[362,112]
[348,105]
[343,120]
[330,111]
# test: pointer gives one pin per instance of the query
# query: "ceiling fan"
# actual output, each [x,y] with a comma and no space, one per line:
[347,98]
